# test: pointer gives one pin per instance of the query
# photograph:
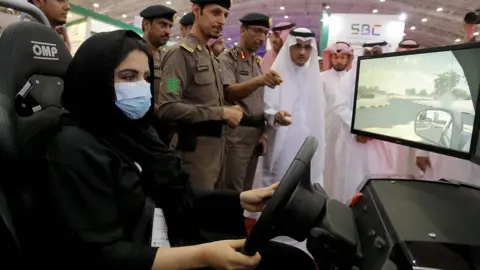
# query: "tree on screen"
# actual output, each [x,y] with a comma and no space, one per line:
[423,93]
[410,92]
[461,94]
[445,82]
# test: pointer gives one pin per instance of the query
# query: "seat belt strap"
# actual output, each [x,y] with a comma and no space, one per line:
[144,224]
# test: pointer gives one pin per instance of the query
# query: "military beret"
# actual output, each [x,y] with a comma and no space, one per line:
[224,3]
[187,19]
[257,19]
[159,11]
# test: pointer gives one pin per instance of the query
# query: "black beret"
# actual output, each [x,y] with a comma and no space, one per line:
[224,3]
[257,19]
[158,11]
[187,19]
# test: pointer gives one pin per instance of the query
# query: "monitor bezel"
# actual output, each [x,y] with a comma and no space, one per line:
[471,155]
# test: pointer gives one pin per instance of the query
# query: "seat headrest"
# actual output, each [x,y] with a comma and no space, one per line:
[33,55]
[26,49]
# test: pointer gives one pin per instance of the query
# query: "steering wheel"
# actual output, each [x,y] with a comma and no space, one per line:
[283,198]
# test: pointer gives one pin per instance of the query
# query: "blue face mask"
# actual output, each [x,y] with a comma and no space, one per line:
[134,99]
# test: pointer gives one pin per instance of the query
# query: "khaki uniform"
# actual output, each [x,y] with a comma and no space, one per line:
[157,59]
[191,97]
[164,130]
[243,142]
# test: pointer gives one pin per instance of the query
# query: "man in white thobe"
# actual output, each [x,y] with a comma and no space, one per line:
[294,110]
[350,158]
[337,83]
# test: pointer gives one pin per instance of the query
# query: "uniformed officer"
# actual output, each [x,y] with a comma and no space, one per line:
[192,96]
[186,23]
[246,143]
[157,26]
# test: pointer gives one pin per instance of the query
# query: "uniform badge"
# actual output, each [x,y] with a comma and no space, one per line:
[199,47]
[270,22]
[174,17]
[173,85]
[242,56]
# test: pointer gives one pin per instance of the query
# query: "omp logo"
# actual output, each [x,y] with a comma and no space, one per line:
[365,29]
[44,51]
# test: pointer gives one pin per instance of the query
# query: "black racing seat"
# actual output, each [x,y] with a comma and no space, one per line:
[33,60]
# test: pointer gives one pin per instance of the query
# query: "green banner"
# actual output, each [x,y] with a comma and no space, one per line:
[99,17]
[324,27]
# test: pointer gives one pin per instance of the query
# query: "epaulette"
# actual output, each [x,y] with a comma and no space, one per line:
[259,60]
[234,53]
[188,48]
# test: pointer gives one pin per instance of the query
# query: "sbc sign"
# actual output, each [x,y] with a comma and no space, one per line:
[365,29]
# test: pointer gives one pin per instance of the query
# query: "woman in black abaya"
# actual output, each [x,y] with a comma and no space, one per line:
[109,173]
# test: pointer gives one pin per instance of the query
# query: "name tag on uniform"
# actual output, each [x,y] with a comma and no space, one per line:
[159,230]
[202,68]
[243,72]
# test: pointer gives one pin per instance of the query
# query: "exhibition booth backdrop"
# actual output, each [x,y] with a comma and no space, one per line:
[82,23]
[357,29]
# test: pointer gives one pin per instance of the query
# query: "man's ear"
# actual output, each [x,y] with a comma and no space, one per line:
[145,23]
[37,3]
[196,10]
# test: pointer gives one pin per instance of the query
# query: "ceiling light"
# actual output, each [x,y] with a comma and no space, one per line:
[229,38]
[382,0]
[178,37]
[124,15]
[439,9]
[402,17]
[235,43]
[424,20]
[282,8]
[327,7]
[169,3]
[286,17]
[458,40]
[95,5]
[475,34]
[374,11]
[412,28]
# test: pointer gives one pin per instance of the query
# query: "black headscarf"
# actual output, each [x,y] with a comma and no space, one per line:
[89,96]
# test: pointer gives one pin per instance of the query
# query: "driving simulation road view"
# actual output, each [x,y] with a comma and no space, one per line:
[392,92]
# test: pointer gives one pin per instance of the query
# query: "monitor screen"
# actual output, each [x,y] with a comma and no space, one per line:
[424,97]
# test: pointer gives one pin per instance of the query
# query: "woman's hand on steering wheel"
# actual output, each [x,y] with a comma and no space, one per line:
[225,255]
[255,200]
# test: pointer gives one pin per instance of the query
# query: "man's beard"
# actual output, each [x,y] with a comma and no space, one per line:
[339,67]
[56,23]
[160,41]
[214,36]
